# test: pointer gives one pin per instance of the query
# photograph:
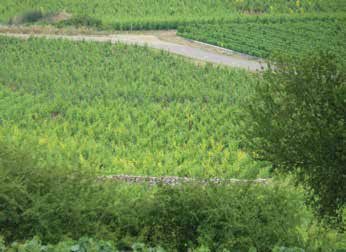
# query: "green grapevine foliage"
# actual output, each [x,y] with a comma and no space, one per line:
[263,36]
[161,14]
[122,109]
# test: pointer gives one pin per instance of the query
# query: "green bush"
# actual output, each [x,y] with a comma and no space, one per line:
[51,203]
[31,16]
[88,244]
[296,120]
[234,217]
[55,204]
[82,245]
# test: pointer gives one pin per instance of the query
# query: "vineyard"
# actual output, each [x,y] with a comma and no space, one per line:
[267,36]
[107,145]
[123,109]
[151,14]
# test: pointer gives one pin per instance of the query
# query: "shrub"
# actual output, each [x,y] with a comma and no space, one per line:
[31,16]
[49,201]
[55,204]
[88,244]
[82,245]
[232,217]
[296,120]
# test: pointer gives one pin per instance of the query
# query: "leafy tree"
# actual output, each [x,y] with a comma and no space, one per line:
[296,120]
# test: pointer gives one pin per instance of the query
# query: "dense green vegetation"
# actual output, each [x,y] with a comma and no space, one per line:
[122,109]
[162,14]
[56,204]
[71,111]
[84,244]
[296,120]
[88,244]
[264,36]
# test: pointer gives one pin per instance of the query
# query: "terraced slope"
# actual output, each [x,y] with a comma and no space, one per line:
[263,37]
[122,109]
[166,13]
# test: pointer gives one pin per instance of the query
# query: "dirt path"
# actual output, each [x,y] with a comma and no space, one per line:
[164,40]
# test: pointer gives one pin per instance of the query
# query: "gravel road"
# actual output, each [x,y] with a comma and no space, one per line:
[188,49]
